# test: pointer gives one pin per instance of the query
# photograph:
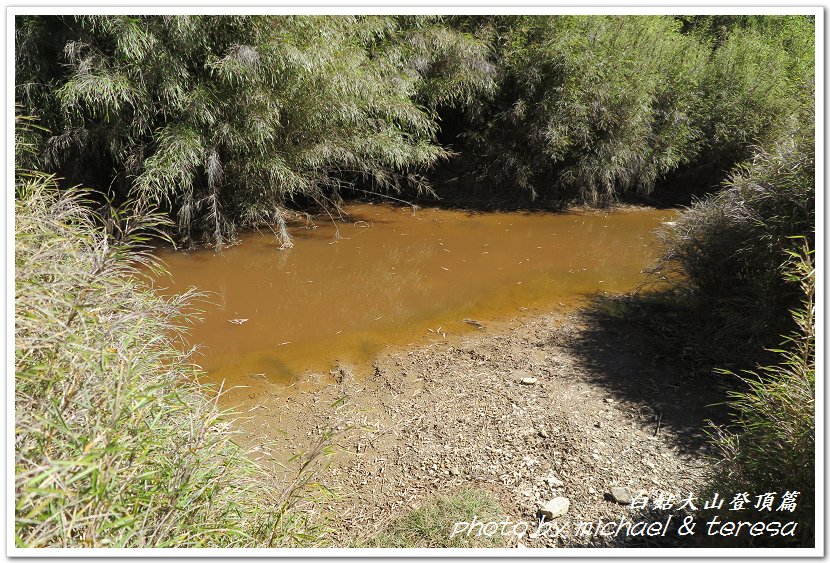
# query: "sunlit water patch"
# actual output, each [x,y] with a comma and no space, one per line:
[394,276]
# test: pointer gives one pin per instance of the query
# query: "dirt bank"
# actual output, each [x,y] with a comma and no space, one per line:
[564,404]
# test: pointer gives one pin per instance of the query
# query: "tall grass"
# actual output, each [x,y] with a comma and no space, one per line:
[742,259]
[116,445]
[771,446]
[728,250]
[232,121]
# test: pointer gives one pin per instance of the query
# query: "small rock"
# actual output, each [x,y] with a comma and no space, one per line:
[609,400]
[529,381]
[621,495]
[553,481]
[520,545]
[454,471]
[543,433]
[592,490]
[598,424]
[555,508]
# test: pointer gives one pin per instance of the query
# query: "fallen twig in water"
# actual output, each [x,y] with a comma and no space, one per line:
[473,322]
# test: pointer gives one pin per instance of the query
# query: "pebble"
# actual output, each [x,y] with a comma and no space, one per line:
[555,508]
[621,495]
[554,482]
[529,381]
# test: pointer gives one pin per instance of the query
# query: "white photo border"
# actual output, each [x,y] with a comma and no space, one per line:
[374,8]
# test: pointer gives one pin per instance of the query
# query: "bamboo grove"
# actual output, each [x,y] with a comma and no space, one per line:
[232,122]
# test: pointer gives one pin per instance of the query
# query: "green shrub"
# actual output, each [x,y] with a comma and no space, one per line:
[757,83]
[116,445]
[228,121]
[592,107]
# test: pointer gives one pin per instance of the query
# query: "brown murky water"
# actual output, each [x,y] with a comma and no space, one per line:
[394,277]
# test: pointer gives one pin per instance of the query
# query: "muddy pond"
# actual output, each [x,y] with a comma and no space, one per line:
[393,276]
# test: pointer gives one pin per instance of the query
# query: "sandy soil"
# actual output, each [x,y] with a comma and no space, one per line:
[600,410]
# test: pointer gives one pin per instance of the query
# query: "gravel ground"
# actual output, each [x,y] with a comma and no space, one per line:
[559,405]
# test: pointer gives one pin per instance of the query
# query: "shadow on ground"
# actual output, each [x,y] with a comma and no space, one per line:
[646,354]
[637,351]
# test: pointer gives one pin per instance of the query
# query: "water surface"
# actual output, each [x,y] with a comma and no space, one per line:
[394,276]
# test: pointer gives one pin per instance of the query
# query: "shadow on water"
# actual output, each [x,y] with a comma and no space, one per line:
[457,184]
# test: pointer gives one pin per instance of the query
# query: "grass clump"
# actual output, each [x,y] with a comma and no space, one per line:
[431,525]
[115,443]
